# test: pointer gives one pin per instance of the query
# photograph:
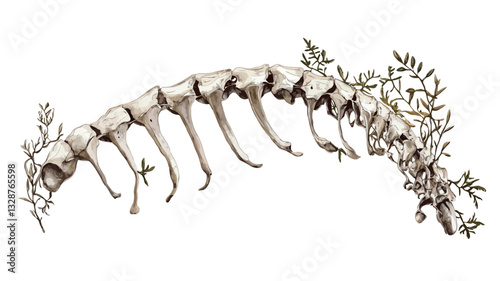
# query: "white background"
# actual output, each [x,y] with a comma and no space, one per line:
[255,224]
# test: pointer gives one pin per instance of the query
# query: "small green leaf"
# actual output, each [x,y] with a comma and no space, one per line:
[341,72]
[436,108]
[411,112]
[25,199]
[440,91]
[448,129]
[429,73]
[396,55]
[341,151]
[424,104]
[412,62]
[429,95]
[410,90]
[445,145]
[436,80]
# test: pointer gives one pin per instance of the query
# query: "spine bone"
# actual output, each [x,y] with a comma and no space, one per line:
[430,180]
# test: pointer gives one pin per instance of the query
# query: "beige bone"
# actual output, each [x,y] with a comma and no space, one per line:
[341,96]
[211,88]
[251,80]
[145,111]
[430,181]
[315,88]
[83,140]
[179,98]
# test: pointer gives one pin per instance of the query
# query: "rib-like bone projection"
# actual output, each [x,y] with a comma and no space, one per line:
[145,111]
[211,88]
[368,107]
[84,143]
[430,182]
[179,99]
[253,82]
[316,89]
[343,98]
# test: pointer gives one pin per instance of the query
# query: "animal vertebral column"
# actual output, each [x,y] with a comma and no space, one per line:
[430,182]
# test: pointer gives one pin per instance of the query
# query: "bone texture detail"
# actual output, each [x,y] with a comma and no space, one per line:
[394,136]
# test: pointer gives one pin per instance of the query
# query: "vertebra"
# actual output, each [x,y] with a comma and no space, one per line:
[341,99]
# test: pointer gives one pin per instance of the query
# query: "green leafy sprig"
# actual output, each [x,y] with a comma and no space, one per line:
[32,168]
[468,186]
[419,102]
[314,59]
[360,81]
[469,226]
[145,169]
[432,126]
[424,108]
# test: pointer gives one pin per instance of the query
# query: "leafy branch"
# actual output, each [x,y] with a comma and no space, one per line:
[469,226]
[316,61]
[145,170]
[419,102]
[468,187]
[319,59]
[424,109]
[31,167]
[384,94]
[360,81]
[432,126]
